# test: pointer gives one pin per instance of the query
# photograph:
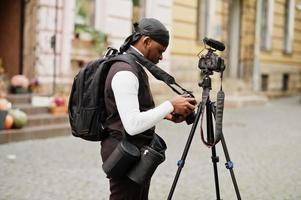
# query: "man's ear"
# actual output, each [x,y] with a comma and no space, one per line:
[146,41]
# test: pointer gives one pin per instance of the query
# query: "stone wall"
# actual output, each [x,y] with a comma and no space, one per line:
[46,19]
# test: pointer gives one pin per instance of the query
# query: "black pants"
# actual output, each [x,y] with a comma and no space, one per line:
[123,188]
[126,189]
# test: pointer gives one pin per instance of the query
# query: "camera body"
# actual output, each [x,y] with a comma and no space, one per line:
[190,118]
[211,61]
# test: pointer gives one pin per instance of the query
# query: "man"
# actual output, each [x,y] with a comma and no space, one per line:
[130,105]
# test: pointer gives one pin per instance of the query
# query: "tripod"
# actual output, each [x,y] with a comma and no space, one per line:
[210,109]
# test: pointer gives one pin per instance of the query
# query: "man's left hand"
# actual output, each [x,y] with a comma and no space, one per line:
[175,118]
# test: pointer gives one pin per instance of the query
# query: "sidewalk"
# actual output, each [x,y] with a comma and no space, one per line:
[263,142]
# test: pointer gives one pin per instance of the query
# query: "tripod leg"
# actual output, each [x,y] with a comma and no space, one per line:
[215,160]
[210,138]
[229,165]
[181,162]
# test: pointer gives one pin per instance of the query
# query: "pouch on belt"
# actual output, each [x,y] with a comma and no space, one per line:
[151,157]
[124,156]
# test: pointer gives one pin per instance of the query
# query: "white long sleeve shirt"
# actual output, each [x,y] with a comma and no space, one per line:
[125,88]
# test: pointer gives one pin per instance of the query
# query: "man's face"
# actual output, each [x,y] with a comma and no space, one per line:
[154,51]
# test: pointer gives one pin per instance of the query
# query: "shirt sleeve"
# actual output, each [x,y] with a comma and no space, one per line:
[125,88]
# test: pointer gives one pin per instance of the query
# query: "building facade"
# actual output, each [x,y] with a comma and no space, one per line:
[262,39]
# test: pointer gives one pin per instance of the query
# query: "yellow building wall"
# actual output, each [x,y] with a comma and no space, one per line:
[184,28]
[185,42]
[277,55]
[275,63]
[184,47]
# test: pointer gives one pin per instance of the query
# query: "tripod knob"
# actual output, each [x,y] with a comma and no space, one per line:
[229,165]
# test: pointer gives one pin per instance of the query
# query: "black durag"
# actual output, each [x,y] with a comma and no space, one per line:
[149,27]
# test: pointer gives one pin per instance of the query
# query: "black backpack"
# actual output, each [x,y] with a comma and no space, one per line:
[86,107]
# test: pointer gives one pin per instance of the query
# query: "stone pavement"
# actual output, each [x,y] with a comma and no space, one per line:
[263,142]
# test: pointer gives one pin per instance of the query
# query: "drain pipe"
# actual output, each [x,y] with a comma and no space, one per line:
[53,46]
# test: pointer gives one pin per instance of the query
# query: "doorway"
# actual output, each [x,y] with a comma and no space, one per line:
[11,36]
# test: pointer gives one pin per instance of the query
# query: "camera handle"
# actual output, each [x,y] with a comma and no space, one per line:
[210,109]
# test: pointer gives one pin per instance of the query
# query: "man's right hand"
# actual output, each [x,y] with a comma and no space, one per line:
[183,105]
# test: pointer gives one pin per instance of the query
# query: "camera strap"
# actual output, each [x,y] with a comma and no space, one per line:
[220,100]
[205,97]
[218,114]
[158,73]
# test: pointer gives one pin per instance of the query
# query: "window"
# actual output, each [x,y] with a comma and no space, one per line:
[139,10]
[85,12]
[285,82]
[202,19]
[264,82]
[289,26]
[85,23]
[206,12]
[266,26]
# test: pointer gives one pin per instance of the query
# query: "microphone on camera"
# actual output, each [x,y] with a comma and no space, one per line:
[214,44]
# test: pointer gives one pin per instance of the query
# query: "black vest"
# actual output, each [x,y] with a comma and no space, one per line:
[114,124]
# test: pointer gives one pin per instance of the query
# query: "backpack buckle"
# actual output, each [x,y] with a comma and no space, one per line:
[110,51]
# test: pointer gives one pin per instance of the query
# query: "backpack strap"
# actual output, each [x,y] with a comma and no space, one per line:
[129,59]
[110,60]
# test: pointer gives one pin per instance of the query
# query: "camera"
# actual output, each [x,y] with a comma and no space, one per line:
[190,118]
[211,61]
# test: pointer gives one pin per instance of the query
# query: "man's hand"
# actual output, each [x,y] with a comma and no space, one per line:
[175,118]
[183,106]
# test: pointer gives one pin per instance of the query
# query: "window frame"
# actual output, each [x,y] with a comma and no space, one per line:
[206,13]
[266,35]
[289,25]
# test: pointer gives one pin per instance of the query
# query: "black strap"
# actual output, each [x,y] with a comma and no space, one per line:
[157,72]
[205,97]
[218,125]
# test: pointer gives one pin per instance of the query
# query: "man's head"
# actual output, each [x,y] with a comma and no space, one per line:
[151,49]
[150,37]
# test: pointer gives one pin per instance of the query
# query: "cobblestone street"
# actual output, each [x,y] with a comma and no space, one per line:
[263,143]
